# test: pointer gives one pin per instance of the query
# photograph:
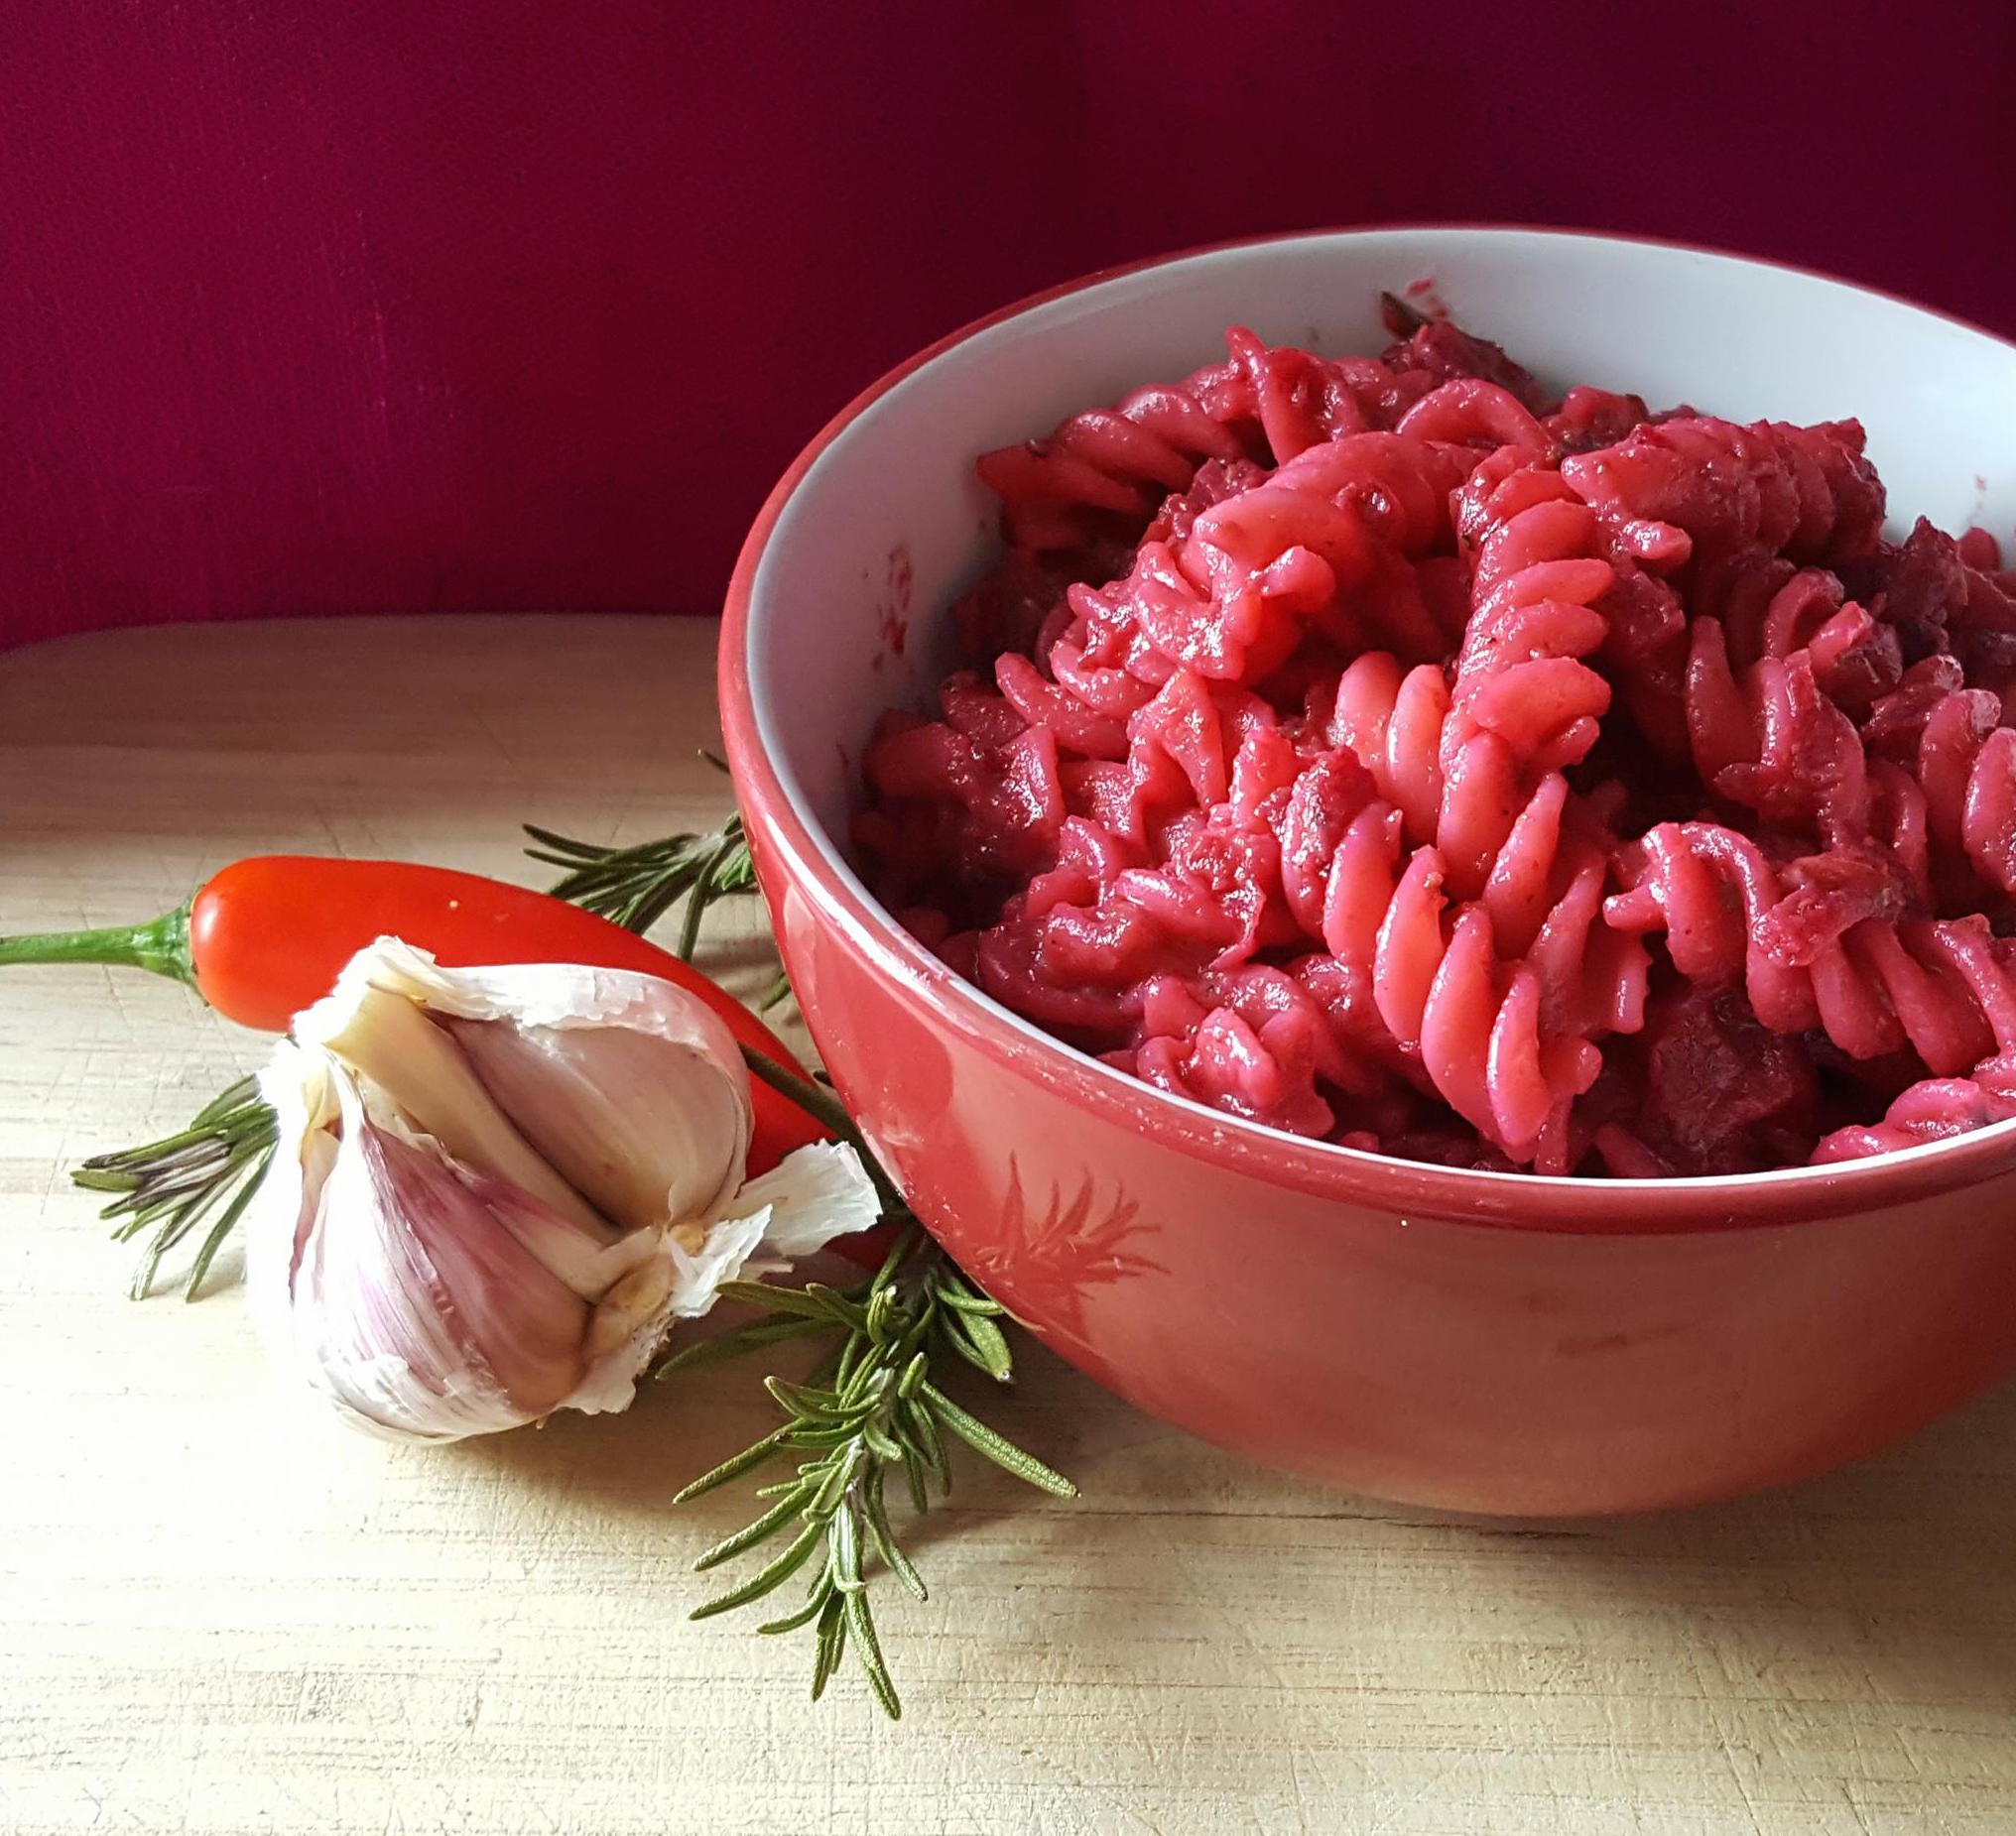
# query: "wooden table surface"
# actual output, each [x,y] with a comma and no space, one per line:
[221,1611]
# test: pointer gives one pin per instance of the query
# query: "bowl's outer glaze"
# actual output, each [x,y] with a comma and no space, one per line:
[1432,1358]
[1480,1344]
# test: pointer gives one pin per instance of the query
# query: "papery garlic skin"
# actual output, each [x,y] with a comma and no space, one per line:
[575,1186]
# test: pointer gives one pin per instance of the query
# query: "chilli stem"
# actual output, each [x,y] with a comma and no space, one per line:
[161,947]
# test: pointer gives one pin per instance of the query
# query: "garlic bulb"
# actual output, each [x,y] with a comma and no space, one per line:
[498,1187]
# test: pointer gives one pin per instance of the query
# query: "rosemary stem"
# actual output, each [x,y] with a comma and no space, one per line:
[696,899]
[824,1106]
[161,947]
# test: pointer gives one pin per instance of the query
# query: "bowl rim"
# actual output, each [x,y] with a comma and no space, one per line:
[1549,1204]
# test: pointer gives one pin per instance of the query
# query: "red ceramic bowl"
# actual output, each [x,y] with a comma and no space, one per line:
[1482,1342]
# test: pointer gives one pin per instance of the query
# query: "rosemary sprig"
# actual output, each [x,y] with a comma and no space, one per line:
[871,1410]
[207,1170]
[637,886]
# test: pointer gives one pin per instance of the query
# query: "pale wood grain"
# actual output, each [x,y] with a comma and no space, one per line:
[219,1611]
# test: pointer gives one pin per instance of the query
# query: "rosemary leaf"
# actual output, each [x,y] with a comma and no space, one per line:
[883,1445]
[838,1306]
[223,1227]
[638,884]
[979,1342]
[811,1302]
[764,1580]
[914,1477]
[742,1340]
[921,1432]
[833,1638]
[826,1500]
[815,1440]
[996,1447]
[807,1402]
[856,1348]
[704,889]
[751,1534]
[861,1627]
[962,1300]
[846,1543]
[815,1605]
[886,1545]
[734,1467]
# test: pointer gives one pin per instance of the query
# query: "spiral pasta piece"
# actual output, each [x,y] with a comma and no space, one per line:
[1120,460]
[1537,579]
[1936,1109]
[1704,488]
[1768,606]
[1310,548]
[1776,742]
[1497,1005]
[1966,769]
[1783,742]
[1839,958]
[1474,1019]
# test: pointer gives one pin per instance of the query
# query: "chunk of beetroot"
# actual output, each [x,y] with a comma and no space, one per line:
[1724,1096]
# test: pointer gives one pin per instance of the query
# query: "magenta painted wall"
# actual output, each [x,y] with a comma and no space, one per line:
[356,304]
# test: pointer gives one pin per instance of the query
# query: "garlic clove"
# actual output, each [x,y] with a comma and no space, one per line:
[586,1263]
[396,1278]
[387,1037]
[629,1329]
[645,1128]
[462,1281]
[632,1307]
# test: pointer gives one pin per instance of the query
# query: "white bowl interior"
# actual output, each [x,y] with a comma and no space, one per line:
[889,524]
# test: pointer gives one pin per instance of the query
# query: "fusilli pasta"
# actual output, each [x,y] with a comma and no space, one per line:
[1381,751]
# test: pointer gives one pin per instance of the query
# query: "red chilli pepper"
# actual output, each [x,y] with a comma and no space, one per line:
[268,937]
